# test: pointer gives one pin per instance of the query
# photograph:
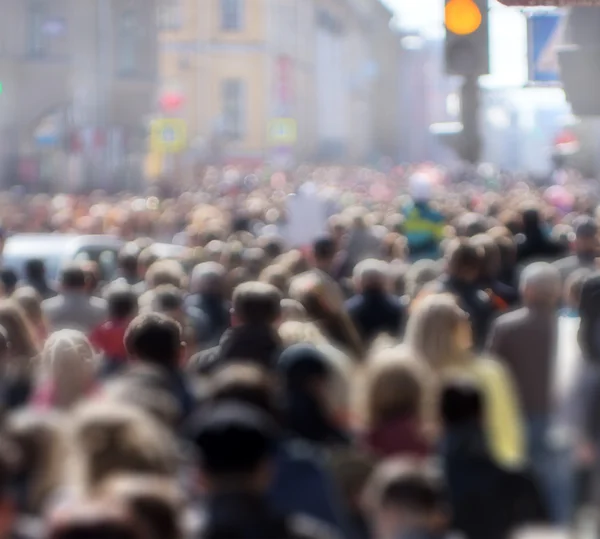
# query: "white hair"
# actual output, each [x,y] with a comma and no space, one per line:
[205,275]
[541,282]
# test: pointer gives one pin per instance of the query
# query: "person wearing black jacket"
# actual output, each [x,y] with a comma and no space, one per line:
[253,336]
[534,244]
[373,310]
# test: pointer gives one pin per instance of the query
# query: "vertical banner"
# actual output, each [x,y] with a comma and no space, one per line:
[283,81]
[545,34]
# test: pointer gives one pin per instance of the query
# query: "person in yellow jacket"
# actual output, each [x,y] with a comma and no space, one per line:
[439,332]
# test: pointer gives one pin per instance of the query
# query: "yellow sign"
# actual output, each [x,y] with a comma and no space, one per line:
[282,132]
[168,135]
[153,165]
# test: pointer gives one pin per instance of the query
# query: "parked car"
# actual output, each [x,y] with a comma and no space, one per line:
[56,250]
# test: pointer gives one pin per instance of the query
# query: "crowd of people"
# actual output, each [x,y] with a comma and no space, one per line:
[426,365]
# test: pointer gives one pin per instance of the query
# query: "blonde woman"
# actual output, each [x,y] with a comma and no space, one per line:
[66,372]
[111,438]
[440,333]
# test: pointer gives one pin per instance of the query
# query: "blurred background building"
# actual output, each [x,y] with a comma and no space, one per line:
[78,83]
[285,79]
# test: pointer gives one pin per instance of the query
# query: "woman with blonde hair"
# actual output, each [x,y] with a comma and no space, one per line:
[439,332]
[66,372]
[396,394]
[111,438]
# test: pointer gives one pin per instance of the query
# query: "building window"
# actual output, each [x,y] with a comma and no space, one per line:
[232,91]
[37,41]
[170,14]
[231,15]
[127,41]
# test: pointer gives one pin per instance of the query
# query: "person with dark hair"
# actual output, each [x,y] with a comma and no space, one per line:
[236,446]
[324,253]
[406,499]
[253,336]
[463,268]
[155,346]
[128,264]
[74,308]
[9,280]
[35,276]
[586,248]
[207,304]
[301,482]
[306,375]
[486,500]
[534,243]
[108,338]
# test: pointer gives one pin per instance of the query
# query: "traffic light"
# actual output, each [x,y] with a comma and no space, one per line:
[467,37]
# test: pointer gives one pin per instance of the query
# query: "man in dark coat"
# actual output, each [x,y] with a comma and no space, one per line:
[373,310]
[253,336]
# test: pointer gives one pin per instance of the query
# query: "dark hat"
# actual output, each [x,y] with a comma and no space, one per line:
[232,437]
[585,227]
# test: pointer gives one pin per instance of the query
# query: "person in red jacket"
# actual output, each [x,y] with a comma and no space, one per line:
[107,338]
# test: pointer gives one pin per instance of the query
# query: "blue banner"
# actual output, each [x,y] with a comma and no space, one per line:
[544,34]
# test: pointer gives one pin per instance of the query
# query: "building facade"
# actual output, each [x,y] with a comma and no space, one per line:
[266,79]
[78,85]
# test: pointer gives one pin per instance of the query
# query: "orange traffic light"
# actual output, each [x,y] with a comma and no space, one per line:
[462,17]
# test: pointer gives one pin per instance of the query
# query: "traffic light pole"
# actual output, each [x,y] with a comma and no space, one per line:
[470,110]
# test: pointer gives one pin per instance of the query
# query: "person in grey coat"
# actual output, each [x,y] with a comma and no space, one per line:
[73,308]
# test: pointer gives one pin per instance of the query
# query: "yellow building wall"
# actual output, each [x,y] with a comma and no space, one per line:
[227,55]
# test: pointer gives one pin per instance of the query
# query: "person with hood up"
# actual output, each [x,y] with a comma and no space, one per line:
[253,335]
[306,377]
[423,225]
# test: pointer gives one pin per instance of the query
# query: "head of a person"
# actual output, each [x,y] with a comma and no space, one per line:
[278,276]
[73,279]
[93,519]
[395,387]
[156,339]
[540,285]
[404,496]
[111,438]
[68,365]
[35,270]
[573,287]
[9,280]
[23,343]
[420,188]
[586,237]
[254,260]
[154,502]
[41,440]
[371,275]
[508,251]
[128,260]
[491,263]
[461,403]
[419,275]
[169,300]
[307,379]
[256,303]
[122,302]
[292,310]
[246,383]
[92,274]
[30,301]
[324,252]
[218,432]
[439,331]
[164,272]
[208,279]
[464,260]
